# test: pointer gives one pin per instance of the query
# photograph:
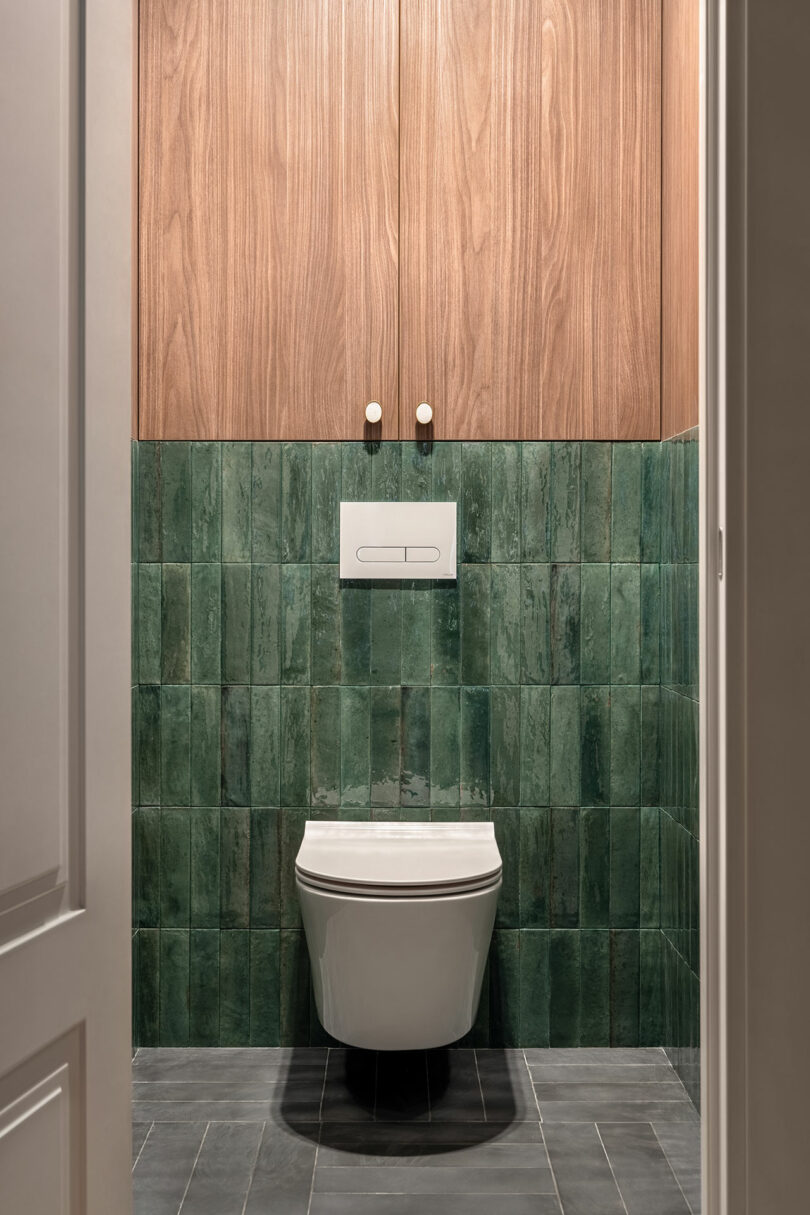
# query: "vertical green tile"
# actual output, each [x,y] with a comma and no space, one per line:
[175,624]
[624,987]
[626,502]
[175,501]
[534,745]
[235,746]
[507,836]
[266,614]
[505,612]
[206,704]
[203,987]
[447,481]
[175,868]
[650,623]
[294,989]
[135,745]
[474,591]
[595,624]
[504,772]
[236,613]
[445,743]
[296,502]
[386,634]
[174,976]
[386,467]
[149,744]
[146,824]
[416,471]
[625,624]
[415,772]
[445,633]
[504,1012]
[595,753]
[535,624]
[415,656]
[175,740]
[651,502]
[295,746]
[148,987]
[265,873]
[204,868]
[292,824]
[206,502]
[535,868]
[234,986]
[325,746]
[625,746]
[355,630]
[149,623]
[326,462]
[565,867]
[149,527]
[624,867]
[295,624]
[564,745]
[133,622]
[265,994]
[650,1028]
[650,868]
[534,988]
[265,762]
[650,756]
[134,502]
[234,875]
[474,765]
[265,502]
[564,969]
[594,1026]
[206,623]
[565,624]
[355,747]
[564,512]
[535,487]
[325,619]
[594,888]
[476,502]
[596,494]
[355,473]
[385,746]
[236,492]
[505,502]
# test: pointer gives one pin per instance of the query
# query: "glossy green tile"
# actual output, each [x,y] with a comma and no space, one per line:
[624,866]
[446,460]
[266,618]
[650,594]
[133,620]
[624,987]
[415,609]
[650,746]
[651,1027]
[325,746]
[385,745]
[148,987]
[265,991]
[564,972]
[505,612]
[146,891]
[564,507]
[474,582]
[203,987]
[504,1008]
[295,747]
[294,1021]
[535,488]
[506,821]
[594,874]
[234,871]
[445,746]
[595,624]
[175,745]
[149,744]
[355,747]
[235,746]
[535,624]
[594,1025]
[534,745]
[149,623]
[596,501]
[476,502]
[265,503]
[204,868]
[355,631]
[651,502]
[234,986]
[175,868]
[564,787]
[135,744]
[265,746]
[174,987]
[206,502]
[236,493]
[206,624]
[626,502]
[535,988]
[175,624]
[416,473]
[505,502]
[565,624]
[291,824]
[149,527]
[386,468]
[134,505]
[175,501]
[265,869]
[625,746]
[325,621]
[386,634]
[649,868]
[415,770]
[625,624]
[474,758]
[504,747]
[595,751]
[355,473]
[326,483]
[236,623]
[295,624]
[565,865]
[296,502]
[535,867]
[445,633]
[206,715]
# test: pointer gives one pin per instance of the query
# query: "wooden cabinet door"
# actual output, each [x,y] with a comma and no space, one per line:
[268,217]
[530,218]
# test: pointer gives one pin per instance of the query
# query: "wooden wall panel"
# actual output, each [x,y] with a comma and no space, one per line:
[600,185]
[268,217]
[680,218]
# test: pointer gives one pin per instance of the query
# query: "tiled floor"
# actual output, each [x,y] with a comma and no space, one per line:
[343,1132]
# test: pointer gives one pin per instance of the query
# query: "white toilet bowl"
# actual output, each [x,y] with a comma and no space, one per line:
[398,920]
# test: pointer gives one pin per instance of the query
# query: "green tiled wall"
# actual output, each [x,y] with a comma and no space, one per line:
[529,692]
[680,848]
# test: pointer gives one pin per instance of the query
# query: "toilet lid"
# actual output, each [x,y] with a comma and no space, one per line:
[398,859]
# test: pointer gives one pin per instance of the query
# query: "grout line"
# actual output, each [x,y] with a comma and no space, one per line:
[531,1082]
[193,1167]
[610,1166]
[480,1085]
[671,1167]
[551,1169]
[323,1086]
[314,1167]
[143,1145]
[253,1168]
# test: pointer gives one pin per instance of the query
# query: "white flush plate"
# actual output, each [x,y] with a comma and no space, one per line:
[398,540]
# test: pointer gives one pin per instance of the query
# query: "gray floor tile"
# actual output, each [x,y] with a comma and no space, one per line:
[419,1204]
[402,1087]
[618,1111]
[602,1073]
[164,1168]
[582,1171]
[349,1091]
[418,1138]
[681,1145]
[139,1132]
[488,1154]
[282,1178]
[221,1177]
[642,1172]
[207,1090]
[506,1086]
[455,1090]
[664,1091]
[609,1055]
[161,1112]
[252,1064]
[418,1179]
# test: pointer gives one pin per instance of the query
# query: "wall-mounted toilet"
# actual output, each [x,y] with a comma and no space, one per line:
[398,920]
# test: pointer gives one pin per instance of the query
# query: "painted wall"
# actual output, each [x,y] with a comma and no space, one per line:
[529,692]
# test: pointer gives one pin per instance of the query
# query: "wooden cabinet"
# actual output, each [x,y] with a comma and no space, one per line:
[458,200]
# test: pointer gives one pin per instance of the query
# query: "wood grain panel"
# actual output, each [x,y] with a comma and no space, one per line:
[600,186]
[268,217]
[470,240]
[680,220]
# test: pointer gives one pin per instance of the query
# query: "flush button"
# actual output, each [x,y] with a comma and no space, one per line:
[374,553]
[422,554]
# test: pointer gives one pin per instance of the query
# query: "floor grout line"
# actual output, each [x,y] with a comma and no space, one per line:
[534,1090]
[323,1086]
[143,1145]
[480,1085]
[253,1168]
[551,1169]
[672,1168]
[610,1166]
[193,1167]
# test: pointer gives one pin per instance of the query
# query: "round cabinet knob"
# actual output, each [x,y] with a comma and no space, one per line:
[373,412]
[424,413]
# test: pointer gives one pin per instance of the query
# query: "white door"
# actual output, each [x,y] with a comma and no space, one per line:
[65,358]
